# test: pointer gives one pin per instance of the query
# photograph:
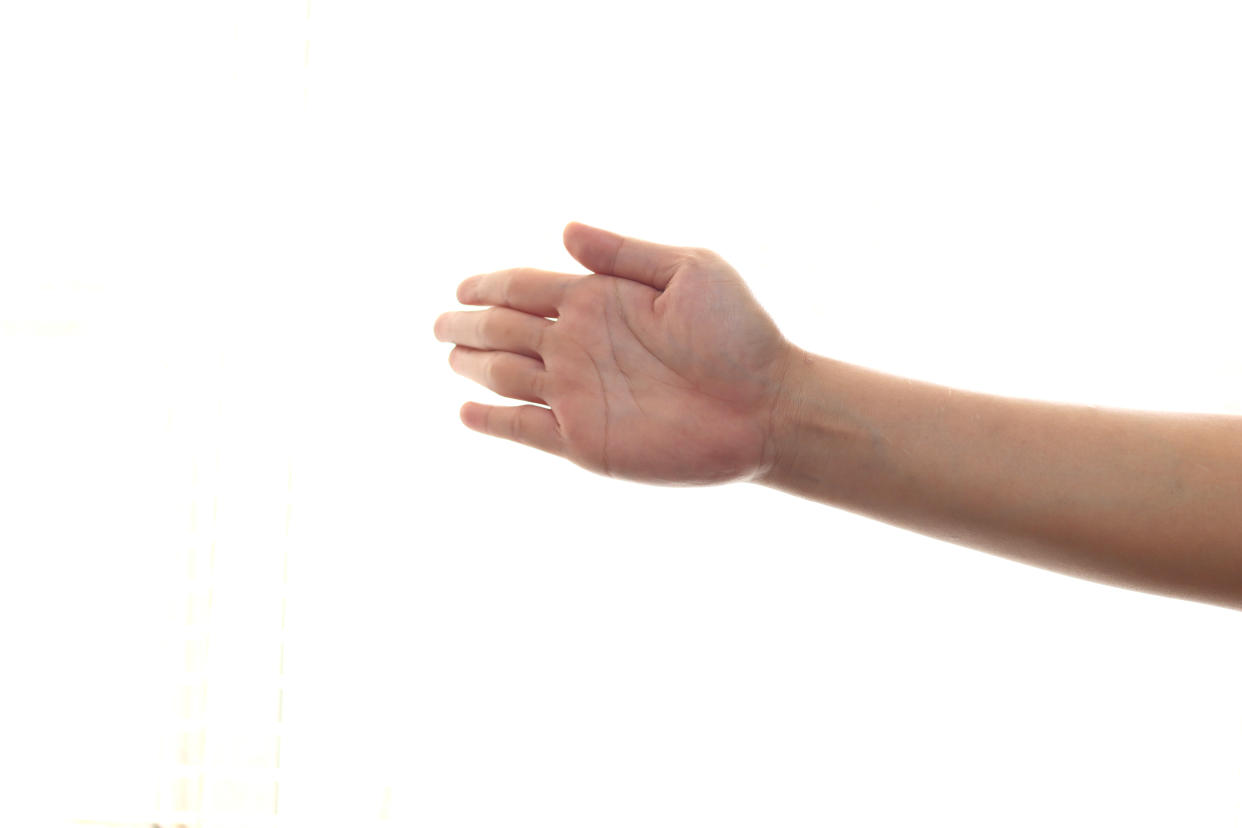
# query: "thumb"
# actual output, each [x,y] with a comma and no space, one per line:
[612,254]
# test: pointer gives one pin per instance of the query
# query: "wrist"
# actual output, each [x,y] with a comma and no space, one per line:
[794,388]
[812,433]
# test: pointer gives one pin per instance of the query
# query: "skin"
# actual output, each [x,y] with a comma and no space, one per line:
[661,367]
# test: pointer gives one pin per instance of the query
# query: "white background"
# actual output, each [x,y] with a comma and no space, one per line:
[227,228]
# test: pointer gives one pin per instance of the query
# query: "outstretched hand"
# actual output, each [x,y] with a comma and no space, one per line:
[659,366]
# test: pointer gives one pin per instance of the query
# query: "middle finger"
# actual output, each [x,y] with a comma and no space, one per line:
[494,329]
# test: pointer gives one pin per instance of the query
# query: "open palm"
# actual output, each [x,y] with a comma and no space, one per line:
[659,366]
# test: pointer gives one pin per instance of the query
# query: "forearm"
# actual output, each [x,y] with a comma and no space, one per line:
[1145,500]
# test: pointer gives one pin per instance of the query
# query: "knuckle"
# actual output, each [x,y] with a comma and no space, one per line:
[701,256]
[489,370]
[506,286]
[487,326]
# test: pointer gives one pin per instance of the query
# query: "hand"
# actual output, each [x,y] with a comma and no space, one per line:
[659,367]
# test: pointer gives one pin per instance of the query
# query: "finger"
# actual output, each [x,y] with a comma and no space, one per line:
[522,288]
[495,329]
[529,425]
[509,375]
[613,254]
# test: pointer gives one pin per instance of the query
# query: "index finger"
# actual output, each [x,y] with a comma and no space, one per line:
[522,288]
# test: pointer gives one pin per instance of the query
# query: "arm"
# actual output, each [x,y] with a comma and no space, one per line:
[1145,500]
[660,366]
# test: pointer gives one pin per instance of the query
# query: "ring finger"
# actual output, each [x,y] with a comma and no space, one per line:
[508,374]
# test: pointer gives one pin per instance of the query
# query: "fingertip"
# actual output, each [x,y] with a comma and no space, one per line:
[471,414]
[575,229]
[465,291]
[568,233]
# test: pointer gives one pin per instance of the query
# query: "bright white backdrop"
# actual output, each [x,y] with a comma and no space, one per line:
[227,229]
